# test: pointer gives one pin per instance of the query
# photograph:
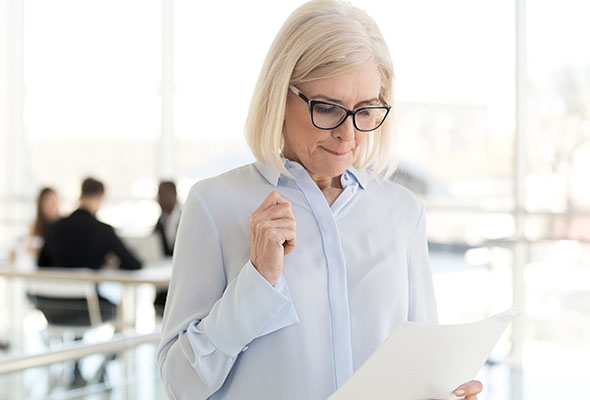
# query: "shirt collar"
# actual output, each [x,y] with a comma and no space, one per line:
[272,174]
[360,176]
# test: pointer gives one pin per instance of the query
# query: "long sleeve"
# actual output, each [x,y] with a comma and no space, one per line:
[128,260]
[44,260]
[422,300]
[46,257]
[208,322]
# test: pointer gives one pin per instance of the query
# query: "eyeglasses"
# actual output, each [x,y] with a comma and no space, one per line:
[327,115]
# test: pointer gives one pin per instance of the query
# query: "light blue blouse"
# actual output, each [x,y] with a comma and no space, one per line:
[359,268]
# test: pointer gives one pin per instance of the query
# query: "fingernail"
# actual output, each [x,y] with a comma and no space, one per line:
[459,392]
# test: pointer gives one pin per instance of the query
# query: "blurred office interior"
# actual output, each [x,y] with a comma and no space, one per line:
[493,118]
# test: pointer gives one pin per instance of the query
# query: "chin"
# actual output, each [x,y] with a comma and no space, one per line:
[333,170]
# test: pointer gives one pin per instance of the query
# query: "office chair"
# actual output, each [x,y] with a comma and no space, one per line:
[72,309]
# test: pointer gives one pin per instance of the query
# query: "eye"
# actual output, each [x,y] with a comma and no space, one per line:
[326,109]
[364,113]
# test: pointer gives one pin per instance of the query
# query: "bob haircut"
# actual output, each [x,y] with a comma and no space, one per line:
[320,39]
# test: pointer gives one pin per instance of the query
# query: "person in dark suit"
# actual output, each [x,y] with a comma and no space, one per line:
[82,241]
[167,224]
[166,228]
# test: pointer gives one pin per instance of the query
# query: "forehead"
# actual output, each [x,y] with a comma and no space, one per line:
[356,85]
[50,196]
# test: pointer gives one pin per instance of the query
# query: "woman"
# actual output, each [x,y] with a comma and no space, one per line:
[290,272]
[27,248]
[47,212]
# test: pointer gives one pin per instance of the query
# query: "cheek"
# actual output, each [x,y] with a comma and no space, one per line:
[46,208]
[302,136]
[360,139]
[306,144]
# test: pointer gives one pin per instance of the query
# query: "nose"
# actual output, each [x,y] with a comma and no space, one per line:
[345,131]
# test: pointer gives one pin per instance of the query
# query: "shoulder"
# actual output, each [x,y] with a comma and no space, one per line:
[63,223]
[394,194]
[101,228]
[393,206]
[52,227]
[243,175]
[228,199]
[230,186]
[92,223]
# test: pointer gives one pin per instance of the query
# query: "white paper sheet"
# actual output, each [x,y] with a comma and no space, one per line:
[425,361]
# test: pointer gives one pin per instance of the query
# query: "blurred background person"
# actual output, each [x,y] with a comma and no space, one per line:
[82,241]
[47,212]
[26,250]
[166,229]
[167,224]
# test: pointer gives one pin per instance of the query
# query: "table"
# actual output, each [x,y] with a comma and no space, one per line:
[157,274]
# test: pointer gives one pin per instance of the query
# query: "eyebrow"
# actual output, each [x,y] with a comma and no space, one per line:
[332,100]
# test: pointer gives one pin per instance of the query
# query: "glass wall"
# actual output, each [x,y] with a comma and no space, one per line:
[557,192]
[91,105]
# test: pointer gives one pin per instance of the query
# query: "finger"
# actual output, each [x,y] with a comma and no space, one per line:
[278,211]
[290,244]
[278,235]
[474,397]
[267,227]
[278,216]
[273,229]
[468,389]
[273,198]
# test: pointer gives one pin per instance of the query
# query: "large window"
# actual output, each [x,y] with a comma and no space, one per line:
[92,97]
[557,191]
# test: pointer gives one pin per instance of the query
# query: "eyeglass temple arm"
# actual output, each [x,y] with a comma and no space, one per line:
[298,93]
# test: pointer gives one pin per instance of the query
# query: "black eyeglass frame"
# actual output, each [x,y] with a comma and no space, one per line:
[311,103]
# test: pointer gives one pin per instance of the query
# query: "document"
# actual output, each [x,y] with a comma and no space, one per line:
[425,361]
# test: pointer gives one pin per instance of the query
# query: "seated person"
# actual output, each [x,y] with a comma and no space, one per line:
[26,250]
[166,228]
[47,212]
[167,224]
[81,241]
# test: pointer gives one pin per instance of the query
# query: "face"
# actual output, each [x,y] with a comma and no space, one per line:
[328,153]
[49,206]
[166,198]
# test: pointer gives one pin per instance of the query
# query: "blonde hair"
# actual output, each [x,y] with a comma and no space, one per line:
[320,39]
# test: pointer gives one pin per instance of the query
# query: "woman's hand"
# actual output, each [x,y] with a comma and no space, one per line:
[272,236]
[469,390]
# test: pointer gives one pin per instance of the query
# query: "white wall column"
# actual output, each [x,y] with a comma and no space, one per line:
[13,99]
[520,245]
[166,168]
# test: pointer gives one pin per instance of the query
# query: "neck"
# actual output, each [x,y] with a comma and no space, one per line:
[325,183]
[90,204]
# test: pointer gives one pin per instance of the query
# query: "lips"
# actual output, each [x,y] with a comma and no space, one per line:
[336,153]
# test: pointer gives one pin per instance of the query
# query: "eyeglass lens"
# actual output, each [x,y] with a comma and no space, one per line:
[327,116]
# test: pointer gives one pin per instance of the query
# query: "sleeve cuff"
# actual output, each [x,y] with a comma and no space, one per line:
[249,308]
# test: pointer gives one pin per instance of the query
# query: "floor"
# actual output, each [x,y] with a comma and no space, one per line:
[550,371]
[132,375]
